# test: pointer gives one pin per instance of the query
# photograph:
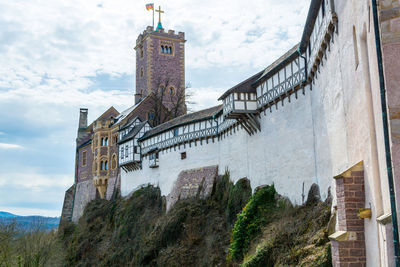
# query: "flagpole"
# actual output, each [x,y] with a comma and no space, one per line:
[153,16]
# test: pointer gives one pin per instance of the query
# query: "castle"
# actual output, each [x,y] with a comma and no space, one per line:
[325,113]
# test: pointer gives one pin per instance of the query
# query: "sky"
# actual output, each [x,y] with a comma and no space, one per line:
[59,56]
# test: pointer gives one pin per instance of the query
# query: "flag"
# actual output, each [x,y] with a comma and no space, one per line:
[150,6]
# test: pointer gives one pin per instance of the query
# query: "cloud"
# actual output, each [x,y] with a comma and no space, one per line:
[67,54]
[10,146]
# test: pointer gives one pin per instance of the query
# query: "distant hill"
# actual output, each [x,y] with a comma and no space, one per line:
[29,222]
[4,214]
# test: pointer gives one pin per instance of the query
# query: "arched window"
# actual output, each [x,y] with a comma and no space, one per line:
[162,49]
[141,72]
[161,89]
[114,162]
[102,141]
[102,166]
[106,165]
[169,50]
[106,141]
[171,90]
[141,52]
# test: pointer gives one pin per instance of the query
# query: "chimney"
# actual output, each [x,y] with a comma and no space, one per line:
[83,118]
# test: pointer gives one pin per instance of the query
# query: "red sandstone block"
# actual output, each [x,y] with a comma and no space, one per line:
[346,244]
[347,181]
[357,252]
[351,205]
[349,194]
[355,264]
[359,194]
[359,244]
[360,236]
[354,187]
[344,252]
[355,199]
[358,180]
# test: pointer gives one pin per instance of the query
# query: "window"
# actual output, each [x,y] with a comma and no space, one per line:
[161,90]
[84,158]
[183,155]
[165,49]
[176,131]
[106,141]
[141,72]
[141,52]
[150,116]
[106,165]
[114,162]
[126,151]
[102,166]
[102,141]
[323,8]
[135,149]
[122,152]
[172,90]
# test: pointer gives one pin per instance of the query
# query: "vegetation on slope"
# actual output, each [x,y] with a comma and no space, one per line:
[230,228]
[138,231]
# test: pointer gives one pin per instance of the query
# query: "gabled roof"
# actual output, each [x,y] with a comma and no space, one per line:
[126,125]
[133,132]
[184,119]
[105,113]
[243,87]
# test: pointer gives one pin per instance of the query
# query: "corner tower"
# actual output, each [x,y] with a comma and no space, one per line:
[160,67]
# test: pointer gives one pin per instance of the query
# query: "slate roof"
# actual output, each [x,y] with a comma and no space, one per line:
[184,119]
[243,87]
[278,64]
[132,132]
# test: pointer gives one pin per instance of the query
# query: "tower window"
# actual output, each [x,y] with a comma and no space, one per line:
[141,72]
[84,158]
[102,166]
[141,52]
[106,165]
[166,49]
[172,90]
[106,141]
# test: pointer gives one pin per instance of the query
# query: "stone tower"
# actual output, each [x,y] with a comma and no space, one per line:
[160,67]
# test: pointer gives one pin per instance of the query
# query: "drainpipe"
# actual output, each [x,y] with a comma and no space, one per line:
[386,135]
[305,64]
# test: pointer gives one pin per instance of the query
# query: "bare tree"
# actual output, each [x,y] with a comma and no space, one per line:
[177,102]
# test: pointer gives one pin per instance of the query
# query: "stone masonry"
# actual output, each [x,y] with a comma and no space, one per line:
[66,214]
[154,68]
[348,242]
[193,183]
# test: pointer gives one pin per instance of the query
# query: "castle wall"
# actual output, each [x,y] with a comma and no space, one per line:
[312,139]
[84,193]
[265,158]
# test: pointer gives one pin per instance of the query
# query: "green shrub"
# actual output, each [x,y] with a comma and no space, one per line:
[255,214]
